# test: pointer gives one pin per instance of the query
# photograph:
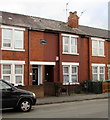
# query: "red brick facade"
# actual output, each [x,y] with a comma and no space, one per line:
[49,56]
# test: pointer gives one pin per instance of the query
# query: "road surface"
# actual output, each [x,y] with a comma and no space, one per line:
[83,109]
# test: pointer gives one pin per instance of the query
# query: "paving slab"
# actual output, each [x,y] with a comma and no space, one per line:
[71,98]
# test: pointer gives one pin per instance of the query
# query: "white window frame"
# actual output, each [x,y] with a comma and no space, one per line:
[70,45]
[7,38]
[74,73]
[12,47]
[98,70]
[67,74]
[98,40]
[70,65]
[108,72]
[15,75]
[12,76]
[5,75]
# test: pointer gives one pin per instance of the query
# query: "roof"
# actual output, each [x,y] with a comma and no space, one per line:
[41,24]
[94,31]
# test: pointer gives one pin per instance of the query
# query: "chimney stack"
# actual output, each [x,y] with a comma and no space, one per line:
[73,20]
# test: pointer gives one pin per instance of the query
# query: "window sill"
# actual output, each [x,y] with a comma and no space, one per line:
[98,56]
[12,49]
[77,83]
[70,53]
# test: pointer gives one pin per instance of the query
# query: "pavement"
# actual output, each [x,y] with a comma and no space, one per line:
[72,98]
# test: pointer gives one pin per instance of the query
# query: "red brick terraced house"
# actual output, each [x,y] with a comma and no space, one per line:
[35,50]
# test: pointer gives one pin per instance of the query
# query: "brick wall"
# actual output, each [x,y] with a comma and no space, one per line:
[82,59]
[99,60]
[38,90]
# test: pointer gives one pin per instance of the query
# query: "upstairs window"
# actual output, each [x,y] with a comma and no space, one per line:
[7,38]
[69,44]
[18,39]
[65,44]
[12,38]
[97,47]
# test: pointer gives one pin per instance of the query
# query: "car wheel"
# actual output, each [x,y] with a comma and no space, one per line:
[25,105]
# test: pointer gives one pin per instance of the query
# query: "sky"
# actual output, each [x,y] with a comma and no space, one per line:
[93,13]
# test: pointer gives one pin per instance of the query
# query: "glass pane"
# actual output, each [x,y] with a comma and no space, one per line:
[66,48]
[18,44]
[18,69]
[6,69]
[66,40]
[73,41]
[7,33]
[101,77]
[109,73]
[73,49]
[7,78]
[95,69]
[94,44]
[6,43]
[74,70]
[74,78]
[66,70]
[95,77]
[4,85]
[95,51]
[18,35]
[66,78]
[18,79]
[101,44]
[101,51]
[101,69]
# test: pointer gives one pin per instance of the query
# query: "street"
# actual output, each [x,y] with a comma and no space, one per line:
[83,109]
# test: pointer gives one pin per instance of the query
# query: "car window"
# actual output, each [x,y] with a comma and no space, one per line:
[3,85]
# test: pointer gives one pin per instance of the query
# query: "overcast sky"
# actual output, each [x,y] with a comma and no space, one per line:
[95,12]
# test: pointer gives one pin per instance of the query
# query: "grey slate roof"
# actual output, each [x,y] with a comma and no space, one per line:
[41,24]
[94,31]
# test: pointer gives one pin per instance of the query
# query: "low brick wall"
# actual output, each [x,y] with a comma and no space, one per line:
[38,90]
[49,89]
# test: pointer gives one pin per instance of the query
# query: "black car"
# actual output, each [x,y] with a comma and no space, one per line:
[11,97]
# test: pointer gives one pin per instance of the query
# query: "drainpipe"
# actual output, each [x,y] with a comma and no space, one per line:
[59,73]
[29,56]
[89,58]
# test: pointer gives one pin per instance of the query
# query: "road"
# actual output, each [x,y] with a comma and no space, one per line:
[83,109]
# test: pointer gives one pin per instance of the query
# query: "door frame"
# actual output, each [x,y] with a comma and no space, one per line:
[39,67]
